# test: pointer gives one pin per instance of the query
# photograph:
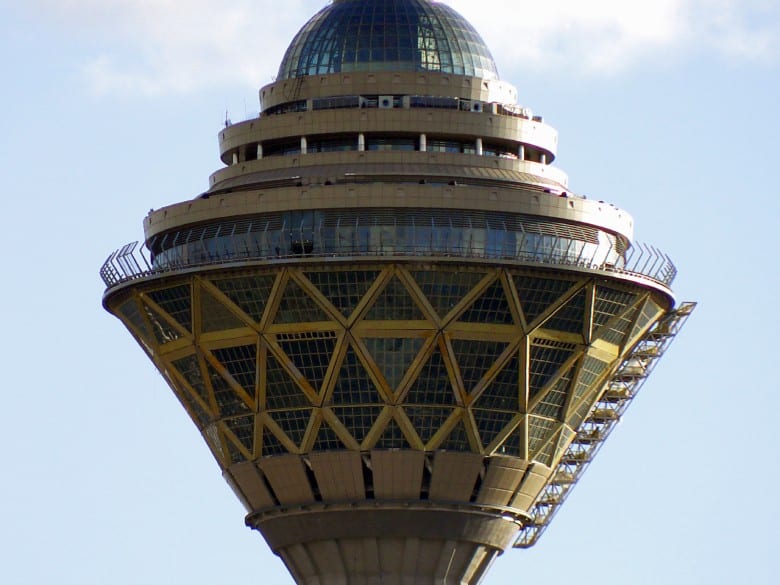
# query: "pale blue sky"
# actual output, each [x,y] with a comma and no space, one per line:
[109,108]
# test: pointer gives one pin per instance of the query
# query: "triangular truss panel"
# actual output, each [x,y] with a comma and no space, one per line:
[609,302]
[650,312]
[491,307]
[354,385]
[293,423]
[551,403]
[392,437]
[616,330]
[432,384]
[234,448]
[243,429]
[571,317]
[537,294]
[135,322]
[310,353]
[445,289]
[192,391]
[297,306]
[326,439]
[358,420]
[542,438]
[393,356]
[457,439]
[394,303]
[545,361]
[343,289]
[503,393]
[189,367]
[215,316]
[490,423]
[281,392]
[270,444]
[176,301]
[515,443]
[590,371]
[228,401]
[249,293]
[475,358]
[427,420]
[241,364]
[164,327]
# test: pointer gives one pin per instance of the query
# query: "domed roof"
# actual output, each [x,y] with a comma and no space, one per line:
[387,35]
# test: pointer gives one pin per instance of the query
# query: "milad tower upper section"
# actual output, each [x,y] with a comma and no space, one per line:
[399,331]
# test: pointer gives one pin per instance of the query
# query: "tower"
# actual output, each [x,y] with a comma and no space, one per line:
[401,335]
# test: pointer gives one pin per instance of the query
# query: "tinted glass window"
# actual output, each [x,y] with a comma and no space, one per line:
[387,35]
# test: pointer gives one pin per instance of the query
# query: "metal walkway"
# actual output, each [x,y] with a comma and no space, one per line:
[618,393]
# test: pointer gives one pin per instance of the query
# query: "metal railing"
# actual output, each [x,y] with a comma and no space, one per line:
[134,260]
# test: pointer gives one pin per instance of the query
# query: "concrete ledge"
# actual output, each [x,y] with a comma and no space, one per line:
[303,526]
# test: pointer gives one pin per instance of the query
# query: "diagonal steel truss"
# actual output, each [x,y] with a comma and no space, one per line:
[615,398]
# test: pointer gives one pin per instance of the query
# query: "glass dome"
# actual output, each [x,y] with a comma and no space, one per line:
[387,35]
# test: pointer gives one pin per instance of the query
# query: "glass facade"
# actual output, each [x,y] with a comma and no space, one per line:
[383,232]
[387,35]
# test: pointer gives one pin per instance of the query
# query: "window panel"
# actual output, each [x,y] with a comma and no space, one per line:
[343,289]
[354,386]
[214,316]
[392,438]
[393,356]
[490,423]
[457,440]
[503,393]
[546,358]
[296,306]
[537,294]
[491,307]
[571,317]
[177,302]
[432,385]
[475,358]
[228,401]
[248,292]
[394,303]
[241,363]
[310,353]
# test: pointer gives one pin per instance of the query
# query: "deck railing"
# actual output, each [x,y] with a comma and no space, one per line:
[134,260]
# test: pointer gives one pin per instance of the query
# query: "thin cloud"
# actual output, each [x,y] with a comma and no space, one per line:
[610,36]
[176,46]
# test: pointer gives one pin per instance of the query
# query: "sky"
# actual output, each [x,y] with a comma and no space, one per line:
[668,109]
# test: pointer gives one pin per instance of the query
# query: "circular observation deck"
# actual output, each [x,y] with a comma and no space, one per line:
[382,35]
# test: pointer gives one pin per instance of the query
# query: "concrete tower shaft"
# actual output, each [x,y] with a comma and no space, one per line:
[399,332]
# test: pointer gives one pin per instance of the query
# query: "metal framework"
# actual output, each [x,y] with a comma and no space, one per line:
[508,359]
[616,397]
